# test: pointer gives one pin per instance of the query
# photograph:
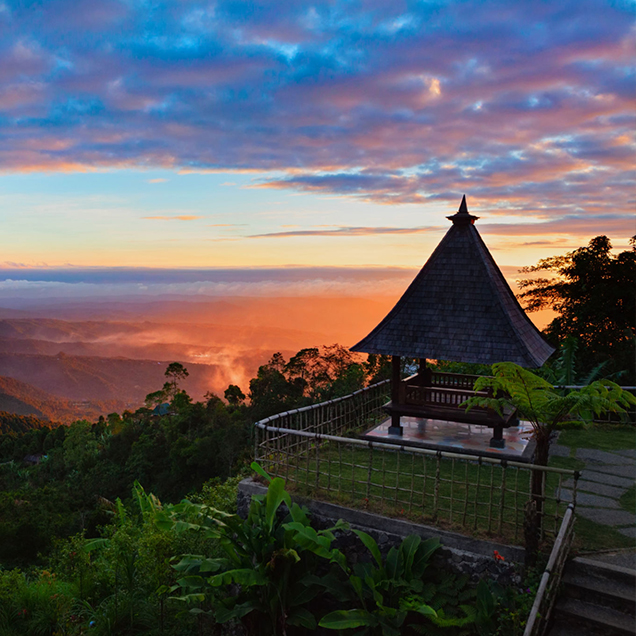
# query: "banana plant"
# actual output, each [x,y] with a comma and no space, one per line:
[384,590]
[268,560]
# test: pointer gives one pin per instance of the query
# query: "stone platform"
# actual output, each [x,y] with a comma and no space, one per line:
[455,437]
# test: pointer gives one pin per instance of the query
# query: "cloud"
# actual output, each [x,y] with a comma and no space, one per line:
[528,105]
[346,231]
[34,283]
[577,225]
[180,217]
[569,225]
[157,180]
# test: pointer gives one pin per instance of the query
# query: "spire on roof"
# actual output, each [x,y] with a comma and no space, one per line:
[462,217]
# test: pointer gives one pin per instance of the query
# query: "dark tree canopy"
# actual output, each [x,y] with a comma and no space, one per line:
[594,293]
[312,375]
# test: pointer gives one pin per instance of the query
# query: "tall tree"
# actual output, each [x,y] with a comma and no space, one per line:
[593,292]
[547,410]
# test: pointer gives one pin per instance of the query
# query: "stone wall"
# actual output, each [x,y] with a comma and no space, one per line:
[462,554]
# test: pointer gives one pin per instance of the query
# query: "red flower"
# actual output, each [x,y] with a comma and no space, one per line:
[498,557]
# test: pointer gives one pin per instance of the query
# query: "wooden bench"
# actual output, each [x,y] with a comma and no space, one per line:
[417,398]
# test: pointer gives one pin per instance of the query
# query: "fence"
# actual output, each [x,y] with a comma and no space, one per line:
[310,449]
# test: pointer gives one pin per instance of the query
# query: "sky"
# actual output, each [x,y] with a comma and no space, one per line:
[141,134]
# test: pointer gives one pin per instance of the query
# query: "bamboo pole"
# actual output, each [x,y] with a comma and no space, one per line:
[532,625]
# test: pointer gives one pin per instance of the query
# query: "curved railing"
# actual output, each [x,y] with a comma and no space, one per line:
[317,451]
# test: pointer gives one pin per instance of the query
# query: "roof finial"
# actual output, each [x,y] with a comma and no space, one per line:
[463,217]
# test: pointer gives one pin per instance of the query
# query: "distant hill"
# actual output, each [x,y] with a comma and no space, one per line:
[118,350]
[86,378]
[22,399]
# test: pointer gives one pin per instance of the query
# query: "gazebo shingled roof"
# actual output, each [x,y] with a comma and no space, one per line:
[460,308]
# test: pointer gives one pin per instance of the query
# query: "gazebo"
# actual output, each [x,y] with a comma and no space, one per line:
[458,308]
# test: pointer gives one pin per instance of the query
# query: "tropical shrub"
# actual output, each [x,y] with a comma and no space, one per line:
[268,561]
[385,591]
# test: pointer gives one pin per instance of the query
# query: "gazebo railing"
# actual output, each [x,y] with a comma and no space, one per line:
[415,394]
[454,380]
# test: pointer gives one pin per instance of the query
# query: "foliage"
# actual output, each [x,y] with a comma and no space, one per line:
[546,408]
[273,571]
[234,395]
[385,591]
[170,392]
[593,293]
[116,584]
[13,423]
[561,370]
[41,606]
[277,570]
[311,375]
[513,605]
[271,561]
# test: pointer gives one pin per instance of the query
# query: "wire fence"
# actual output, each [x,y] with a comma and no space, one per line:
[310,448]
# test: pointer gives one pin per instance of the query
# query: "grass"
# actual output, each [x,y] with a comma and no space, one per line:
[628,500]
[605,437]
[569,463]
[593,537]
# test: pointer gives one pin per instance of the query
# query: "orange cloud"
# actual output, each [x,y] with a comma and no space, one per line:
[180,217]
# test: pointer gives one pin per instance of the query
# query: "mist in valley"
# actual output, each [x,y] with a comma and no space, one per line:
[102,339]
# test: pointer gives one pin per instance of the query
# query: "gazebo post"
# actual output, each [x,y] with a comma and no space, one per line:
[396,427]
[497,440]
[424,373]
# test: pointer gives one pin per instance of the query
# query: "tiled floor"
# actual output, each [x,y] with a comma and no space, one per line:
[456,437]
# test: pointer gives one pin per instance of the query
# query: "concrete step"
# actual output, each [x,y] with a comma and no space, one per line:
[571,629]
[592,619]
[616,594]
[580,628]
[597,569]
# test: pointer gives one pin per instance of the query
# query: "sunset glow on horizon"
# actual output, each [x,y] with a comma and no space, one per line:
[233,135]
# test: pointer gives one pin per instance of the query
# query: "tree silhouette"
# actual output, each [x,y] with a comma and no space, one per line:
[594,294]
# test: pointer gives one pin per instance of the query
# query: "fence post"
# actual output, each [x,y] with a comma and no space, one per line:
[369,471]
[437,477]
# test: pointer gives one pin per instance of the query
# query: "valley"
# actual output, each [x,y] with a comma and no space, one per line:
[65,360]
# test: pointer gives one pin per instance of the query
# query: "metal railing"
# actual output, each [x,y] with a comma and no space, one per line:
[551,578]
[310,449]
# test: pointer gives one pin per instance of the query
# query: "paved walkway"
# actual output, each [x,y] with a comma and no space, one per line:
[605,478]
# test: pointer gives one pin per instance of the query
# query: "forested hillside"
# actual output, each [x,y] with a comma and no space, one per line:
[21,398]
[122,381]
[173,454]
[12,423]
